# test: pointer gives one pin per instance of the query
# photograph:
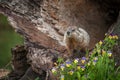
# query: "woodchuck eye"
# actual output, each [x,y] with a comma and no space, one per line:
[73,30]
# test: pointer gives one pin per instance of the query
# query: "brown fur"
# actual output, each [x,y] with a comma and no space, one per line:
[76,39]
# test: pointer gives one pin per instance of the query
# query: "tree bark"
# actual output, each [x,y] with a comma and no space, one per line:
[43,23]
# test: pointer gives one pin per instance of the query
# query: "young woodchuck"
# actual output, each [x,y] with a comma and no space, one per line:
[76,39]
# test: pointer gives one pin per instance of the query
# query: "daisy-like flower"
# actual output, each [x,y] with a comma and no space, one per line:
[62,66]
[83,68]
[100,42]
[95,58]
[53,70]
[78,67]
[76,60]
[62,77]
[115,37]
[83,60]
[103,52]
[110,37]
[71,72]
[94,62]
[68,63]
[89,63]
[109,53]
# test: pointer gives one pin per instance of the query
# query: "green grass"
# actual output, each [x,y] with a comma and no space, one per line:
[8,39]
[99,64]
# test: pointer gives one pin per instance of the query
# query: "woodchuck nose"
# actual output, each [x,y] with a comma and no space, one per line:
[76,39]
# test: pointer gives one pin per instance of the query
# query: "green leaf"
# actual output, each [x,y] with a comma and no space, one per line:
[78,75]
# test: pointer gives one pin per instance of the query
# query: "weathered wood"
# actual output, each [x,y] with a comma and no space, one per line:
[116,50]
[44,22]
[52,17]
[19,63]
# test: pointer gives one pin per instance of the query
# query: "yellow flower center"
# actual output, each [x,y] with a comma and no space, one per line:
[75,61]
[100,42]
[78,67]
[83,61]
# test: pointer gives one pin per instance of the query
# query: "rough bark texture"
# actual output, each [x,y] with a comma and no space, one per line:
[44,22]
[19,62]
[116,50]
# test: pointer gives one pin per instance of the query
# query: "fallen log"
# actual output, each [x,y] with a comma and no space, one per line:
[43,23]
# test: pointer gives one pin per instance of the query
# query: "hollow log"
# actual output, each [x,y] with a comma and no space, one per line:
[43,23]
